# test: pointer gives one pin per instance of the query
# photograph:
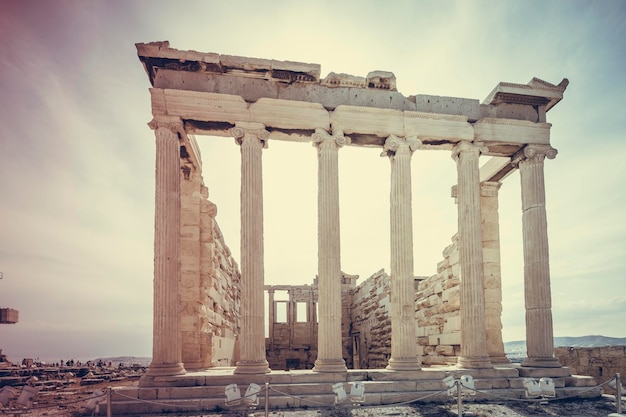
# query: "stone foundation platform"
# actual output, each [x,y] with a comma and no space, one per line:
[204,391]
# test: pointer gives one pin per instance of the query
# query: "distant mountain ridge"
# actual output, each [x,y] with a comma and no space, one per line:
[517,349]
[127,360]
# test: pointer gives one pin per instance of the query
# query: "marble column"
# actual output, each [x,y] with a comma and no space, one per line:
[166,346]
[329,345]
[473,329]
[492,270]
[403,338]
[538,300]
[253,138]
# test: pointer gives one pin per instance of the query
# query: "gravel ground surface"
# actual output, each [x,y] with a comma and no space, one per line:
[601,407]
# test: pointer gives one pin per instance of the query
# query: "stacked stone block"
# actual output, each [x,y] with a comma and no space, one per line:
[209,287]
[438,303]
[601,363]
[371,321]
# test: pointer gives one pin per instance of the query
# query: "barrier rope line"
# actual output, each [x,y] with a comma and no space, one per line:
[297,398]
[410,401]
[531,400]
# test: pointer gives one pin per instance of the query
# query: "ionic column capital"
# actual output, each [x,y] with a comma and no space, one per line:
[467,147]
[162,124]
[394,144]
[250,130]
[533,153]
[321,138]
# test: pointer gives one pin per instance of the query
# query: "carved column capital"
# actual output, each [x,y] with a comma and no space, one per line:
[250,130]
[489,188]
[161,124]
[322,137]
[394,144]
[465,147]
[533,153]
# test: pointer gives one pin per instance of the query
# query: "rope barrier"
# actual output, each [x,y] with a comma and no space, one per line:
[489,394]
[301,399]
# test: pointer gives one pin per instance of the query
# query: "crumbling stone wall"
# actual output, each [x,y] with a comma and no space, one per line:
[292,344]
[601,363]
[438,304]
[371,322]
[209,291]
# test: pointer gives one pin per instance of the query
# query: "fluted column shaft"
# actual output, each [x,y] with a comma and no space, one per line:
[538,299]
[492,270]
[329,345]
[403,340]
[252,137]
[166,347]
[473,333]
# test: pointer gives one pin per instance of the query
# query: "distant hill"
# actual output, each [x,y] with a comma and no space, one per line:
[127,360]
[516,350]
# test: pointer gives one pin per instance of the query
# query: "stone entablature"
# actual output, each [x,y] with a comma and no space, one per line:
[211,92]
[253,78]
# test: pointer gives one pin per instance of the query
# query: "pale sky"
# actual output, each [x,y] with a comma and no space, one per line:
[77,158]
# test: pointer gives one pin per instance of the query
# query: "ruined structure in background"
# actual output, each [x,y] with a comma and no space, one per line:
[8,316]
[601,363]
[292,321]
[453,317]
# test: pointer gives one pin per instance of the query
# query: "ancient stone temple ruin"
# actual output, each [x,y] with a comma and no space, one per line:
[399,333]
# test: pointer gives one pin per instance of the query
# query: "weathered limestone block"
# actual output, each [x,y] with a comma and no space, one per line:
[437,310]
[600,363]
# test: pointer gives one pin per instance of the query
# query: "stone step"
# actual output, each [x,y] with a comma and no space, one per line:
[204,391]
[279,400]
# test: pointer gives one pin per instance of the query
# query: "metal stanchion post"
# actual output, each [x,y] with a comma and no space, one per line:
[459,403]
[109,402]
[618,393]
[267,398]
